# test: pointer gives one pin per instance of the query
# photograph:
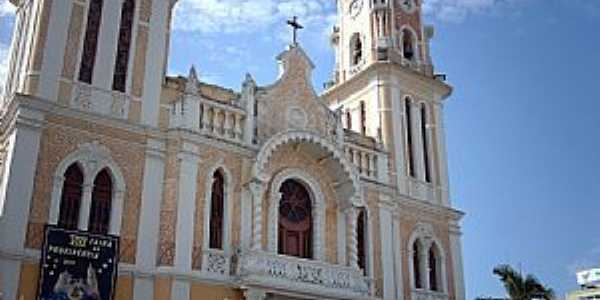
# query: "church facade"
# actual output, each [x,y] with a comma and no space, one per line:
[269,192]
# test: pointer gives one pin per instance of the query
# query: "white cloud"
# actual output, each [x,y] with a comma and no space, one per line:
[3,64]
[6,8]
[457,10]
[239,16]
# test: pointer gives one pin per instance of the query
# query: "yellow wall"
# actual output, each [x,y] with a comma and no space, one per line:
[201,291]
[28,284]
[162,288]
[124,288]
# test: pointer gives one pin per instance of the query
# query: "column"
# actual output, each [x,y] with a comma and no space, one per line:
[256,189]
[342,236]
[387,247]
[457,262]
[424,257]
[86,203]
[107,45]
[418,154]
[15,198]
[186,208]
[351,221]
[148,229]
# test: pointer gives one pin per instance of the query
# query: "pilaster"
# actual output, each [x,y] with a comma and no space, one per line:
[54,49]
[457,262]
[148,230]
[15,200]
[186,209]
[442,163]
[397,245]
[155,61]
[257,189]
[387,247]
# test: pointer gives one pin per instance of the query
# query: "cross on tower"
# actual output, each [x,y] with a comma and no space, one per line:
[295,25]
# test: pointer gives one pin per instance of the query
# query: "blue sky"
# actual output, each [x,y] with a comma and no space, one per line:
[523,124]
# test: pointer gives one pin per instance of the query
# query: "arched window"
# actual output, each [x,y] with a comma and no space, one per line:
[348,120]
[361,240]
[425,142]
[356,49]
[217,209]
[101,203]
[408,46]
[417,264]
[434,275]
[410,161]
[90,42]
[123,48]
[71,197]
[295,220]
[363,118]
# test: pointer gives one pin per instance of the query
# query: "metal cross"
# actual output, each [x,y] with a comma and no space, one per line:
[295,25]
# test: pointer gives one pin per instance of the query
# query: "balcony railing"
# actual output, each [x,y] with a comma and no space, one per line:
[301,275]
[88,98]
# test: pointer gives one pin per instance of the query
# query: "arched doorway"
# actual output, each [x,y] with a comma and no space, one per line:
[295,220]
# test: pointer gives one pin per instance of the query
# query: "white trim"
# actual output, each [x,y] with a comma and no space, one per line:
[424,233]
[318,209]
[227,206]
[92,158]
[416,49]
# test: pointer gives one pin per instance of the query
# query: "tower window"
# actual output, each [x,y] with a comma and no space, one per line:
[349,120]
[408,45]
[101,203]
[70,201]
[356,49]
[363,118]
[90,42]
[417,264]
[217,209]
[410,162]
[361,241]
[123,48]
[433,269]
[425,142]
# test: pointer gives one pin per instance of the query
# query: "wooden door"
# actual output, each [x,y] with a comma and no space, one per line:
[295,220]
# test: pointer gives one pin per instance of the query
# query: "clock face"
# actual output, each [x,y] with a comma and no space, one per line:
[408,5]
[355,8]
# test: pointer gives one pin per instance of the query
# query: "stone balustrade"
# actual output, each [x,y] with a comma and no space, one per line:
[364,159]
[301,275]
[89,98]
[221,120]
[212,118]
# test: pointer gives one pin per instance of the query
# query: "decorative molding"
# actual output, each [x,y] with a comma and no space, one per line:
[318,209]
[91,158]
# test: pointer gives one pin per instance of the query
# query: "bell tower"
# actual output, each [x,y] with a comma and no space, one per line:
[102,56]
[384,82]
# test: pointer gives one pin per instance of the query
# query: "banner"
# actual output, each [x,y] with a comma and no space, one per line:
[77,265]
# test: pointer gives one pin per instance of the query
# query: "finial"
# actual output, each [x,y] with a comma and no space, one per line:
[191,86]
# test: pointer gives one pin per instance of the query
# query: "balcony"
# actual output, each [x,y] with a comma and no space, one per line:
[302,276]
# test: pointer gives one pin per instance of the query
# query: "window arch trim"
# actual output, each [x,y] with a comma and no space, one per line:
[227,207]
[318,211]
[415,43]
[424,233]
[92,158]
